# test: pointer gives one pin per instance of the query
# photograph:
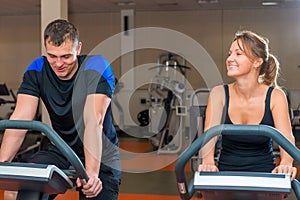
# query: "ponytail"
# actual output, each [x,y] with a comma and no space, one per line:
[269,71]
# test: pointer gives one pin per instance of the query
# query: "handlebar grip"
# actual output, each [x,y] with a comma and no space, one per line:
[83,181]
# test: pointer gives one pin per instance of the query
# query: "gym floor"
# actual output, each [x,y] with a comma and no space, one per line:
[157,184]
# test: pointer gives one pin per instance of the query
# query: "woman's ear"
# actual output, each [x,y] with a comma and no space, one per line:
[257,63]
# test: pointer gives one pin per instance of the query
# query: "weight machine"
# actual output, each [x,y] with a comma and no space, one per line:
[4,91]
[168,109]
[198,102]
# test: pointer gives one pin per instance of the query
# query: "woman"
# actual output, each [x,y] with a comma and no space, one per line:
[253,98]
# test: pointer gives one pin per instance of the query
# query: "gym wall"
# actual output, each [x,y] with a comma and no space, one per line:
[213,29]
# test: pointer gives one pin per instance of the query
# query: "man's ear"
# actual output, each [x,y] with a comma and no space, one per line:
[79,48]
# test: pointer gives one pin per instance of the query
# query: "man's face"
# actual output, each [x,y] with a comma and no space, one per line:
[63,58]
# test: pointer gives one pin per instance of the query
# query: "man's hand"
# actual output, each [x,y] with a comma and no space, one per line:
[92,188]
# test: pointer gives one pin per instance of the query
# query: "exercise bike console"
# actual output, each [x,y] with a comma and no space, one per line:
[242,185]
[23,176]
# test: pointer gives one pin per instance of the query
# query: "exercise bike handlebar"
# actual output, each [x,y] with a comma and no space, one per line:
[186,191]
[53,137]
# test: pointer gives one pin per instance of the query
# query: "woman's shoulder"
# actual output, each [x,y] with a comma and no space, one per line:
[218,92]
[218,88]
[278,93]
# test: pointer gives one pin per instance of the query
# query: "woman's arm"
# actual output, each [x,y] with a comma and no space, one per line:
[213,117]
[280,113]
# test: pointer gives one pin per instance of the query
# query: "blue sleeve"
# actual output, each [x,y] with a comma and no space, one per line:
[99,72]
[30,83]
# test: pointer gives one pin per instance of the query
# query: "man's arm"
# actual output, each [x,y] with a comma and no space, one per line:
[94,113]
[25,109]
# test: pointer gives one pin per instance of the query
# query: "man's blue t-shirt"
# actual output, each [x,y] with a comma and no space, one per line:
[65,99]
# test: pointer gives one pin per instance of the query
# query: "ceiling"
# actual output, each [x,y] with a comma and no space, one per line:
[32,7]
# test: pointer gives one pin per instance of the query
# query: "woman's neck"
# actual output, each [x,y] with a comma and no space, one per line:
[246,90]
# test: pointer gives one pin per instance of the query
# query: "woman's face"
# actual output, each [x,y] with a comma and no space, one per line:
[237,62]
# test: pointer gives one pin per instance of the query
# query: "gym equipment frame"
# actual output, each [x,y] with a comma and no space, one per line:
[212,191]
[34,181]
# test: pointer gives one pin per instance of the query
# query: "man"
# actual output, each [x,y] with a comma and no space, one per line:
[76,90]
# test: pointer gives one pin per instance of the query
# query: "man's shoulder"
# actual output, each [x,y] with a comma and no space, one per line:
[94,62]
[37,64]
[95,59]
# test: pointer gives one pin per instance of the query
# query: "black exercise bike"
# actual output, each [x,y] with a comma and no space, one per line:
[37,181]
[216,185]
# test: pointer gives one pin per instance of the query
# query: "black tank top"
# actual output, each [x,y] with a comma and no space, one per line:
[247,153]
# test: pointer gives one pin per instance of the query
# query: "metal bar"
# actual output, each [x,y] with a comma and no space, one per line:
[53,136]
